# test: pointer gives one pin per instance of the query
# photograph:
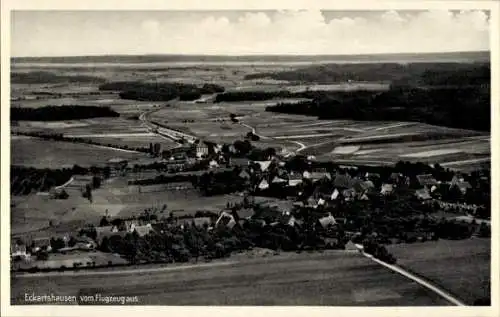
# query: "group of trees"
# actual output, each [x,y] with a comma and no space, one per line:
[58,113]
[219,183]
[25,180]
[152,91]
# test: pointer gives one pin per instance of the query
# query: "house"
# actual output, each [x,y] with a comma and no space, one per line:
[426,180]
[334,194]
[294,180]
[107,231]
[395,178]
[321,202]
[41,244]
[386,189]
[279,180]
[349,194]
[263,185]
[237,161]
[213,164]
[342,181]
[143,230]
[264,165]
[316,176]
[244,174]
[19,251]
[326,221]
[423,194]
[245,213]
[372,176]
[461,184]
[225,219]
[286,218]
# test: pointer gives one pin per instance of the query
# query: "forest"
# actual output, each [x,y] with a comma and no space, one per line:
[465,108]
[153,91]
[419,74]
[58,113]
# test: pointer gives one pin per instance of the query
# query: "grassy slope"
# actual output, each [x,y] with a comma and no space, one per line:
[461,267]
[332,278]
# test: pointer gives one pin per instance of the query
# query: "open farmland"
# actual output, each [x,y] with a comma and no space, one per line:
[32,215]
[332,278]
[462,267]
[123,200]
[51,154]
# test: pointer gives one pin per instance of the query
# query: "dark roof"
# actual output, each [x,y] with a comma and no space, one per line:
[143,230]
[245,212]
[240,161]
[423,194]
[342,181]
[426,180]
[244,174]
[320,175]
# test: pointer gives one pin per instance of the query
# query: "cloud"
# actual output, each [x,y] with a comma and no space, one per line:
[308,32]
[270,32]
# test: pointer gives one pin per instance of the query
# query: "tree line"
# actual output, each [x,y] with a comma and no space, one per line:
[59,113]
[43,77]
[416,74]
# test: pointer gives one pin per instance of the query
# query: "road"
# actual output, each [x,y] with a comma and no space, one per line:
[444,294]
[329,278]
[164,132]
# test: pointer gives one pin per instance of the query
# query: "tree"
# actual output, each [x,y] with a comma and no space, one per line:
[96,182]
[243,147]
[104,222]
[71,242]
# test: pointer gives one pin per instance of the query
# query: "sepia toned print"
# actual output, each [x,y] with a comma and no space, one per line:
[250,158]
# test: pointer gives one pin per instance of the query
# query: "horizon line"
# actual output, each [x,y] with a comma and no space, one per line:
[249,55]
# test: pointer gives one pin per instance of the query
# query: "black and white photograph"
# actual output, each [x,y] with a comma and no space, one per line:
[285,157]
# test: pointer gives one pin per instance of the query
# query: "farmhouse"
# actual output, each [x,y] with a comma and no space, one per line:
[225,219]
[143,230]
[460,183]
[386,189]
[342,181]
[40,244]
[423,194]
[426,180]
[327,221]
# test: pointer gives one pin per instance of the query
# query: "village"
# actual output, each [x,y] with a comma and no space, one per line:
[316,206]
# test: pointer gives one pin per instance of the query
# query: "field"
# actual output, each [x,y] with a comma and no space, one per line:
[124,200]
[331,278]
[50,154]
[56,260]
[341,140]
[461,267]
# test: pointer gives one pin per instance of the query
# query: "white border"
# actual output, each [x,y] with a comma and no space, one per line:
[8,5]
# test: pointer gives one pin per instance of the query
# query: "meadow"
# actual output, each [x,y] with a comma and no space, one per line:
[332,278]
[461,267]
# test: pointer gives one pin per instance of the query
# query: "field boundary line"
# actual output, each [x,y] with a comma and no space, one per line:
[416,279]
[124,272]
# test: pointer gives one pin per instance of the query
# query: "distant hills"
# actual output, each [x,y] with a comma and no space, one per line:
[482,56]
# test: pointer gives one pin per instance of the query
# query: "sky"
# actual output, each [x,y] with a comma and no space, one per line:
[73,33]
